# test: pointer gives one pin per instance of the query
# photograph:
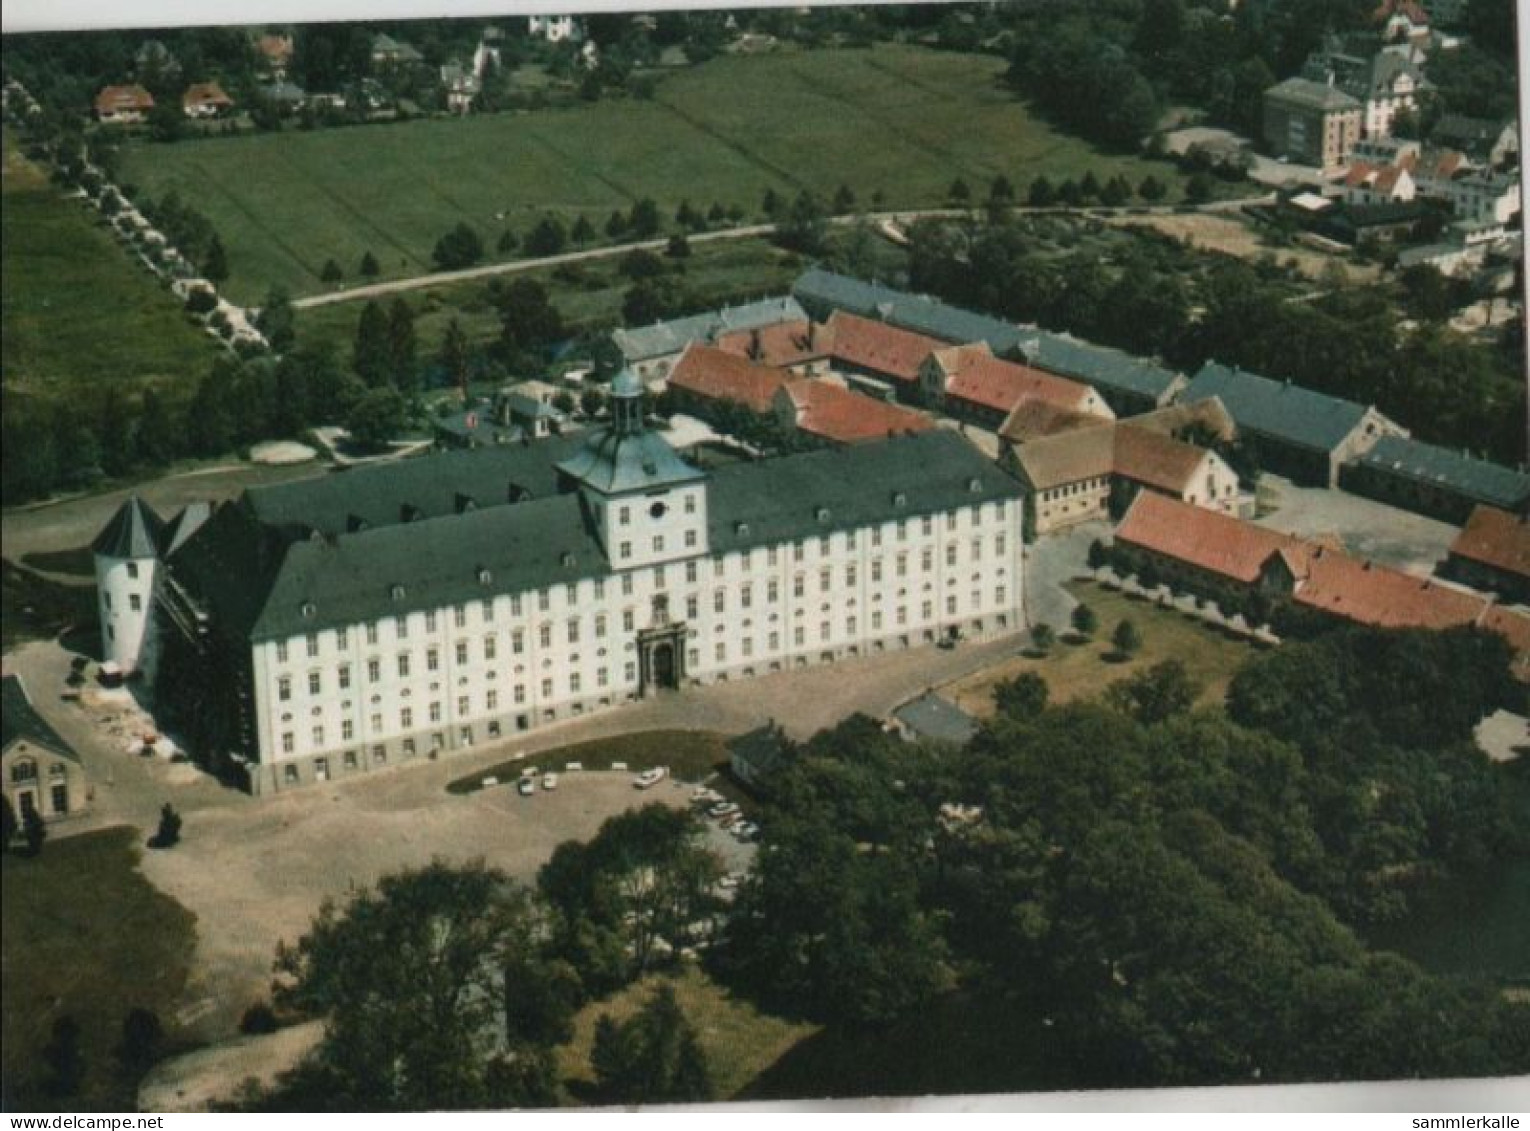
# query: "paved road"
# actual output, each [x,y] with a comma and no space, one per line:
[1051,563]
[468,274]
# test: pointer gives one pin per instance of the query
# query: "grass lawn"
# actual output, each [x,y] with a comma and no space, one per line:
[689,754]
[76,310]
[716,272]
[83,933]
[1081,670]
[903,120]
[740,1042]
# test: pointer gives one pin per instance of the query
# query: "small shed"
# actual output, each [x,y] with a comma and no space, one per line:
[933,717]
[759,755]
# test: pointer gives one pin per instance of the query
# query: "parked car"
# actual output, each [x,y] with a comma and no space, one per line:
[527,786]
[722,809]
[649,778]
[746,830]
[549,781]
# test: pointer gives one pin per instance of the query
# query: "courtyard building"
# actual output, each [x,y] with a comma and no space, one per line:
[1440,482]
[334,626]
[1492,553]
[40,771]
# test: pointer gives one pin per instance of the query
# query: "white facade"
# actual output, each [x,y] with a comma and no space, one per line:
[125,591]
[341,701]
[554,29]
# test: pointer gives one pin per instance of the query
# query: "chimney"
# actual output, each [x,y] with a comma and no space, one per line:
[756,351]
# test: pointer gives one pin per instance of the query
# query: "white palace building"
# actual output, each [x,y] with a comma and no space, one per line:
[334,626]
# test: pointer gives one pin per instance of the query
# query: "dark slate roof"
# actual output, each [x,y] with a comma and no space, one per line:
[611,462]
[664,338]
[480,426]
[1486,482]
[183,526]
[20,721]
[432,486]
[1312,95]
[134,532]
[431,563]
[1100,366]
[1277,408]
[931,716]
[822,291]
[799,496]
[277,580]
[765,750]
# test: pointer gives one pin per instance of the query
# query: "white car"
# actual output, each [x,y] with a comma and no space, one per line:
[649,778]
[527,787]
[549,781]
[746,830]
[722,809]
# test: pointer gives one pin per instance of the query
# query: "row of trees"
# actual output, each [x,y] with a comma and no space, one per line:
[1153,297]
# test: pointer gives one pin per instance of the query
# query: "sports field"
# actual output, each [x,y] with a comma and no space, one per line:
[76,311]
[901,120]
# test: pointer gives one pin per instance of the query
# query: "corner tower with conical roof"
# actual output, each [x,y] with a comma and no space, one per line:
[649,506]
[127,573]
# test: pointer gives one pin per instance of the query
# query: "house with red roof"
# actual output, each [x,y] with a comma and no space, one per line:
[205,100]
[800,345]
[275,52]
[1372,184]
[1201,551]
[841,416]
[129,103]
[866,347]
[970,384]
[1492,552]
[705,378]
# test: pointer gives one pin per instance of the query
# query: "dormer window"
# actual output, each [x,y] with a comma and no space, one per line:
[396,592]
[975,485]
[308,609]
[741,529]
[567,560]
[484,577]
[899,499]
[822,514]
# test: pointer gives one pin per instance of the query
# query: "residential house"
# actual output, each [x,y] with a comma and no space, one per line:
[40,772]
[205,100]
[972,385]
[1033,419]
[123,104]
[706,377]
[1485,141]
[531,406]
[802,346]
[1385,83]
[285,97]
[1401,21]
[275,52]
[1314,123]
[1295,432]
[1096,472]
[554,29]
[840,416]
[1439,482]
[866,347]
[388,53]
[1482,195]
[1367,184]
[1492,552]
[650,351]
[460,85]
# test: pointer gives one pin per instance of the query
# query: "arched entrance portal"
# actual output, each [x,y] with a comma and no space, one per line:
[665,673]
[662,663]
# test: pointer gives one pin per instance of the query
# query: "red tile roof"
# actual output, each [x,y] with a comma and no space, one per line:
[116,99]
[276,48]
[1211,541]
[1495,538]
[878,347]
[976,376]
[781,345]
[205,94]
[718,375]
[1034,420]
[1383,598]
[847,417]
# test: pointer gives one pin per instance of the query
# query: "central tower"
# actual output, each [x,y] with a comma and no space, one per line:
[648,504]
